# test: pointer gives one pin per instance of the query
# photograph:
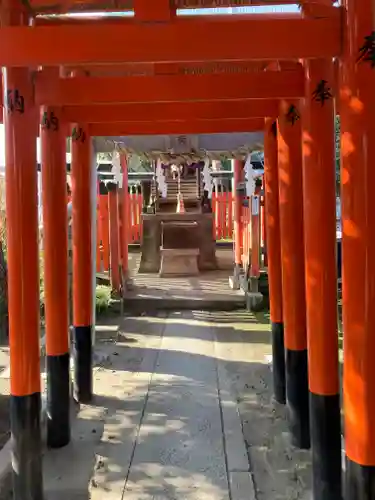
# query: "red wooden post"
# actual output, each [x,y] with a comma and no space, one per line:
[223,211]
[319,197]
[237,177]
[82,268]
[20,124]
[104,224]
[226,201]
[55,242]
[357,111]
[263,224]
[293,271]
[230,215]
[114,236]
[139,210]
[246,230]
[133,216]
[255,234]
[98,245]
[97,250]
[274,263]
[125,221]
[120,214]
[214,215]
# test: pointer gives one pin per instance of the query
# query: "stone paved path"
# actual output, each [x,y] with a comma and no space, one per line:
[183,410]
[163,425]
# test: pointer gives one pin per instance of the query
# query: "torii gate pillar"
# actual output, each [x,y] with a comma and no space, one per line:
[238,166]
[357,109]
[271,177]
[293,271]
[82,263]
[20,120]
[55,246]
[319,198]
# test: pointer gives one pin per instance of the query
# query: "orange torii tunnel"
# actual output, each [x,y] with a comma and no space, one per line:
[68,77]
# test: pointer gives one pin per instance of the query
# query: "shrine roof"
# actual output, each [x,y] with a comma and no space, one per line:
[184,149]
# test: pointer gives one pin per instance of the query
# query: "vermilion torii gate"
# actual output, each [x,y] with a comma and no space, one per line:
[300,199]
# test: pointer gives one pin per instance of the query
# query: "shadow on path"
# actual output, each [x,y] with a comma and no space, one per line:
[154,430]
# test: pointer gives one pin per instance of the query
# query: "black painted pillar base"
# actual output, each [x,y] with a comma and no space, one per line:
[278,362]
[297,393]
[326,447]
[82,354]
[26,447]
[359,481]
[58,401]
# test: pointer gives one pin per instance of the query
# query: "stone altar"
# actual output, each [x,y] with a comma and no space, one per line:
[199,235]
[179,248]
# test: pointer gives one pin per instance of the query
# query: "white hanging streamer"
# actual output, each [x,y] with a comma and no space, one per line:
[207,178]
[249,177]
[160,179]
[116,168]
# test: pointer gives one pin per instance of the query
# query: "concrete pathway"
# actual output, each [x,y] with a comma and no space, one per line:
[164,424]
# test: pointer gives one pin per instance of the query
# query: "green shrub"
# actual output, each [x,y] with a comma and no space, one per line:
[103,298]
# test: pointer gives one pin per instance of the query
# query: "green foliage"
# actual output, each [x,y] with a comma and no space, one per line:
[103,298]
[226,164]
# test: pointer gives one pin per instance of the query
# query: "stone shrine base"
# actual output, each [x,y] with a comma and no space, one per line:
[179,262]
[200,237]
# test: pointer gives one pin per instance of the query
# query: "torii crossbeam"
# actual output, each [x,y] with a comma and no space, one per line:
[283,37]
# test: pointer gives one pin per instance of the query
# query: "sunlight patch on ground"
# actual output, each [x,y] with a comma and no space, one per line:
[106,328]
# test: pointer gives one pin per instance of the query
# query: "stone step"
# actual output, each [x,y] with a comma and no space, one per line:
[144,303]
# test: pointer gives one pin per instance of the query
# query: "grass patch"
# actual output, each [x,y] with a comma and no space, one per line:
[103,296]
